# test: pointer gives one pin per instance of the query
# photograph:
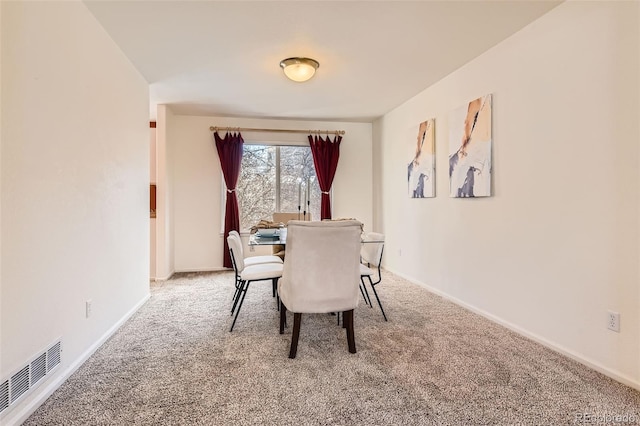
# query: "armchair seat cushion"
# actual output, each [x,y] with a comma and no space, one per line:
[264,271]
[257,260]
[365,270]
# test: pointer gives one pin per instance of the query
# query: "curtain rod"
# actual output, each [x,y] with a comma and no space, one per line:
[248,129]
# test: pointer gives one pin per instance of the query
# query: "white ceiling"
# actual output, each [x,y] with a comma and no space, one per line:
[222,58]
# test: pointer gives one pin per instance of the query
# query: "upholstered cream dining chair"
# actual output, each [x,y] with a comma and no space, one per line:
[245,275]
[284,218]
[371,256]
[320,273]
[252,260]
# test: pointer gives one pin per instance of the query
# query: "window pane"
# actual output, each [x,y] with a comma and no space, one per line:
[296,170]
[258,181]
[257,185]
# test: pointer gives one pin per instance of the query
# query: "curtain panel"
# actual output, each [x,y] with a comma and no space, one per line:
[230,149]
[325,159]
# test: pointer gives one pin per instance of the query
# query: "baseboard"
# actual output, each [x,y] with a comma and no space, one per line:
[615,375]
[216,269]
[20,413]
[165,277]
[178,271]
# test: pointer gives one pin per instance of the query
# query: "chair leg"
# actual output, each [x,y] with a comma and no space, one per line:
[235,294]
[244,293]
[367,299]
[275,293]
[347,319]
[375,293]
[274,285]
[297,319]
[283,317]
[237,297]
[362,292]
[237,284]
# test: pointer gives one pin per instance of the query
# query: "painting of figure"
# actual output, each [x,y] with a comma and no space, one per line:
[470,149]
[421,169]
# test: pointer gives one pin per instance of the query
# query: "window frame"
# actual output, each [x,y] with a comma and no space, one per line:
[223,191]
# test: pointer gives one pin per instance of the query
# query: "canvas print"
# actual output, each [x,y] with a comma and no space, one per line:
[470,149]
[421,170]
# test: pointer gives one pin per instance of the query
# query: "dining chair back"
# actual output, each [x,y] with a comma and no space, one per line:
[284,218]
[372,247]
[235,248]
[320,273]
[235,233]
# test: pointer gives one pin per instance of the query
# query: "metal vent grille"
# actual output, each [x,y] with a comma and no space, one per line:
[24,379]
[19,383]
[38,368]
[4,395]
[53,357]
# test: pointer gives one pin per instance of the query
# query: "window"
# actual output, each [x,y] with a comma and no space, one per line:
[274,179]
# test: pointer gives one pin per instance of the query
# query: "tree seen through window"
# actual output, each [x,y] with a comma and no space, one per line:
[273,179]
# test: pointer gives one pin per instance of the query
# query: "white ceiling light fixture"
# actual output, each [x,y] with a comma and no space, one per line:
[299,69]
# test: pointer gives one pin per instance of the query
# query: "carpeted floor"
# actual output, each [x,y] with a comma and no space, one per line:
[433,363]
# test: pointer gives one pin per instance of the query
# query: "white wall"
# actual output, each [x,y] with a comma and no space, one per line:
[558,244]
[1,174]
[165,247]
[75,170]
[152,221]
[152,155]
[197,180]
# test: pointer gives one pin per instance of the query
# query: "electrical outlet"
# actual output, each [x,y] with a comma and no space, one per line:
[87,306]
[613,321]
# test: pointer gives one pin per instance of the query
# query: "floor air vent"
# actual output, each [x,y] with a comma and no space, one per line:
[38,368]
[28,376]
[53,356]
[4,395]
[19,383]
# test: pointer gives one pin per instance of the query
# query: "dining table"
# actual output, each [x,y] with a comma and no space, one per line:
[256,240]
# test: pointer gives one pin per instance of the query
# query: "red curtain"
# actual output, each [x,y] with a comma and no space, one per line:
[230,150]
[325,159]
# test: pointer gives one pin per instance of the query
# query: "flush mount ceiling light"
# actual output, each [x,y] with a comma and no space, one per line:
[299,69]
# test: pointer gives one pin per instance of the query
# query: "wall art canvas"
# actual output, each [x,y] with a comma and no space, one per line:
[470,149]
[421,169]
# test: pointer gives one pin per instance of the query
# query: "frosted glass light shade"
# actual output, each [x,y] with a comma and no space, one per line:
[299,69]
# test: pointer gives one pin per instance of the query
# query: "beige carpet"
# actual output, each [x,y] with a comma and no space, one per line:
[175,363]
